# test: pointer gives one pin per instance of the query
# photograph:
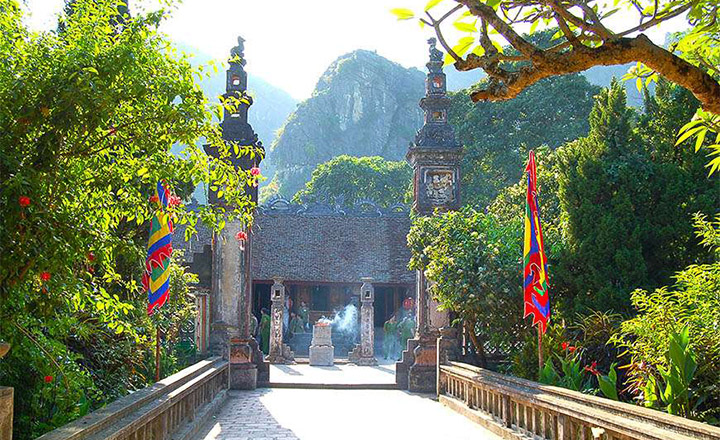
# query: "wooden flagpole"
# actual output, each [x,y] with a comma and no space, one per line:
[157,353]
[540,351]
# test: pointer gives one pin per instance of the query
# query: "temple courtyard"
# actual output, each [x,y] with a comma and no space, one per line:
[274,413]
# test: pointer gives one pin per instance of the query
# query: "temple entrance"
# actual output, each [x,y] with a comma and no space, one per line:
[339,306]
[308,303]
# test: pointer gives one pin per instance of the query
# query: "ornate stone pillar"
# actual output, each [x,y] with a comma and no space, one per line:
[279,352]
[230,295]
[364,352]
[435,158]
[6,403]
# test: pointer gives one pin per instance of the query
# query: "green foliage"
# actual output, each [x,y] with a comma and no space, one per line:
[621,199]
[473,260]
[573,377]
[692,302]
[608,383]
[496,135]
[348,180]
[88,118]
[674,393]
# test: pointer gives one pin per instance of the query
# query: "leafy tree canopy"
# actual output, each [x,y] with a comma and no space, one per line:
[88,118]
[496,135]
[627,209]
[349,179]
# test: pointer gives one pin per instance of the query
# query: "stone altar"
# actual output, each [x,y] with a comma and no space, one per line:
[322,352]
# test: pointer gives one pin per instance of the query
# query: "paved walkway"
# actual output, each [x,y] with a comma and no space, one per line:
[344,374]
[285,414]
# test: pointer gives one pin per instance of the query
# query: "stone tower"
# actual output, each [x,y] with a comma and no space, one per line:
[231,290]
[435,157]
[235,126]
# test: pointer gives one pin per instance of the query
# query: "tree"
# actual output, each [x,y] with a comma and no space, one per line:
[584,38]
[88,119]
[627,215]
[473,262]
[496,135]
[348,180]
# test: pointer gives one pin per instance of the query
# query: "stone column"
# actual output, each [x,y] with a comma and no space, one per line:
[6,413]
[364,352]
[228,303]
[279,353]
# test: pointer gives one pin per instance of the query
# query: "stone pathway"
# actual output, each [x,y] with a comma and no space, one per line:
[285,414]
[384,373]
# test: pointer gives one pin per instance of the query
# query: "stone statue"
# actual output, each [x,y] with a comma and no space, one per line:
[237,53]
[435,53]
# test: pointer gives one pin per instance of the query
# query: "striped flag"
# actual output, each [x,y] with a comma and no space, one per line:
[156,279]
[535,285]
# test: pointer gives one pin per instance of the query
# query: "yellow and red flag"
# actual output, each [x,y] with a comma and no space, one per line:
[156,279]
[535,275]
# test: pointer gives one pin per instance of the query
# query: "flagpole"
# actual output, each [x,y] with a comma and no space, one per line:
[157,352]
[540,351]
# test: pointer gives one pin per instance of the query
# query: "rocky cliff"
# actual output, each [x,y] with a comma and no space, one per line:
[363,105]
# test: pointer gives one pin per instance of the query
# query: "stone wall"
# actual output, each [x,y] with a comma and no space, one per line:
[331,248]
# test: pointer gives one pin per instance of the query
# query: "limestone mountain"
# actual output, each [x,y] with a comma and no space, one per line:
[363,105]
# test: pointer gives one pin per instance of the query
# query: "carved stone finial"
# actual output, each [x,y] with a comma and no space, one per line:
[435,54]
[239,50]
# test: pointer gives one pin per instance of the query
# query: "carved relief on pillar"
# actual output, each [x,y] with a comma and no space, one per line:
[279,352]
[364,352]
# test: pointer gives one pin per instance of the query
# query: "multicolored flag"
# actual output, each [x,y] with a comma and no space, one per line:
[156,279]
[535,285]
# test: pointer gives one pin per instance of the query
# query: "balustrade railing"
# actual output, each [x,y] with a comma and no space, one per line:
[517,408]
[174,408]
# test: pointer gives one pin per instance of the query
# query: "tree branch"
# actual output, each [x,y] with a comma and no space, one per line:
[491,18]
[618,51]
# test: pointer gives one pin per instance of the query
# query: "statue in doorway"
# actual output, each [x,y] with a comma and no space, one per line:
[390,338]
[296,325]
[265,331]
[304,313]
[406,329]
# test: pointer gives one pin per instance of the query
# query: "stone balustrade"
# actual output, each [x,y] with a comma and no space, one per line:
[174,408]
[516,408]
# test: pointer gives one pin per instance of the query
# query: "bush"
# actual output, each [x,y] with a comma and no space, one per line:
[692,302]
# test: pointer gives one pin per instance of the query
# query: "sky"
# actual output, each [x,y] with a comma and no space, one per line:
[290,43]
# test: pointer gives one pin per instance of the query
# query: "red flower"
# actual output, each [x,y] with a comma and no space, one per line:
[45,276]
[572,349]
[174,201]
[112,131]
[154,198]
[240,236]
[255,171]
[592,368]
[48,379]
[24,201]
[91,257]
[564,345]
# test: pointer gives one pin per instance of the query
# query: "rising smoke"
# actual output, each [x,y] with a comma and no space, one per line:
[344,321]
